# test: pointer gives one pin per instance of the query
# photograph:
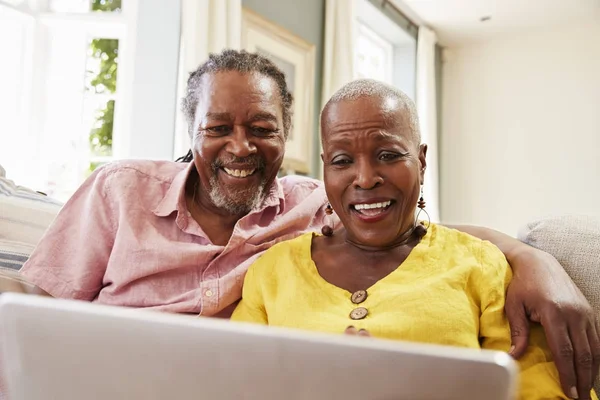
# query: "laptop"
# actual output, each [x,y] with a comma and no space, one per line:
[67,350]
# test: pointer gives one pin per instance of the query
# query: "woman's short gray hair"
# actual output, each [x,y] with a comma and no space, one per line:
[373,88]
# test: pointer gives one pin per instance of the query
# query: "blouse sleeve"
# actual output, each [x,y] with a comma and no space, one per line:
[71,258]
[538,375]
[252,306]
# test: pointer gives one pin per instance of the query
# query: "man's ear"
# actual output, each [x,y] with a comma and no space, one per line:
[423,162]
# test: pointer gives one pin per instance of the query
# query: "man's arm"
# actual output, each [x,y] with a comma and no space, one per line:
[12,282]
[541,291]
[71,258]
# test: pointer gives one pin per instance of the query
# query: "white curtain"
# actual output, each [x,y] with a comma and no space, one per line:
[338,54]
[207,26]
[338,62]
[427,110]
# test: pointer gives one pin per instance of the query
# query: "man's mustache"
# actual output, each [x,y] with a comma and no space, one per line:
[250,162]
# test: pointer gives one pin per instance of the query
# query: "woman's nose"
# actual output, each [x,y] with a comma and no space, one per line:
[240,144]
[367,176]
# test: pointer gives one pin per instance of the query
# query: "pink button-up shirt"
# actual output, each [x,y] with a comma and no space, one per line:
[126,238]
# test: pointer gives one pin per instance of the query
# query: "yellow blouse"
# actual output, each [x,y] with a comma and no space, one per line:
[450,291]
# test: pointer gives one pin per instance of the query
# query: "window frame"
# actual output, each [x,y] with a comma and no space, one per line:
[404,44]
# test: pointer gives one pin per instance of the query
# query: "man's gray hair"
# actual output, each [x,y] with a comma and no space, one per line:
[373,88]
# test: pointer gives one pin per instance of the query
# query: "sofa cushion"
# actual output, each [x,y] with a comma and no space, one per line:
[575,242]
[24,217]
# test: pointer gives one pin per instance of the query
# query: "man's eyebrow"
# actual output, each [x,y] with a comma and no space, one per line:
[263,116]
[218,116]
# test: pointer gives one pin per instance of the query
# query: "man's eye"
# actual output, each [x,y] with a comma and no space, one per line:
[260,131]
[219,130]
[341,161]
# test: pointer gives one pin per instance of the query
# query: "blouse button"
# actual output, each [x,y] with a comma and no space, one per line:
[358,296]
[359,313]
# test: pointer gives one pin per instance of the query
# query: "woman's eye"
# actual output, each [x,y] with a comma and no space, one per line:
[219,130]
[389,156]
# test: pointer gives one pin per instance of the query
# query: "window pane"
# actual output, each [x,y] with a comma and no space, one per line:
[101,85]
[106,5]
[101,67]
[373,56]
[99,115]
[84,6]
[15,41]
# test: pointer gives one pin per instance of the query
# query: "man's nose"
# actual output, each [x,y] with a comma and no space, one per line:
[240,143]
[367,175]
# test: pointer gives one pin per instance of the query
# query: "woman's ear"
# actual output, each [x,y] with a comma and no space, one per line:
[423,162]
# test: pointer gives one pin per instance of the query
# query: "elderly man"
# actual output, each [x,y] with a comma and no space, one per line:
[179,237]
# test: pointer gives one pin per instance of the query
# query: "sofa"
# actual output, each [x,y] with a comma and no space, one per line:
[575,242]
[24,217]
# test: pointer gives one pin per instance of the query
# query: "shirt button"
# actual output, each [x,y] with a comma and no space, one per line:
[358,296]
[208,293]
[359,313]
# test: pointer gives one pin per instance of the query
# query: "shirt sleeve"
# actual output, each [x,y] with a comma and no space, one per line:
[71,258]
[252,306]
[538,377]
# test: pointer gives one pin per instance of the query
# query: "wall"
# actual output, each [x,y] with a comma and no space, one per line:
[521,128]
[149,108]
[306,19]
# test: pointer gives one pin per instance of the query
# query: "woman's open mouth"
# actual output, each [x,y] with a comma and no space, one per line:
[371,211]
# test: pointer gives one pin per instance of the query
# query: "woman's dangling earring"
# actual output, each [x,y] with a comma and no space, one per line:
[420,228]
[327,230]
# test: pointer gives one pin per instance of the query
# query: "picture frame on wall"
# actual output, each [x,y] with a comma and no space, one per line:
[296,58]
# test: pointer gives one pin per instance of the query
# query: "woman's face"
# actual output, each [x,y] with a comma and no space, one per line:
[374,166]
[239,140]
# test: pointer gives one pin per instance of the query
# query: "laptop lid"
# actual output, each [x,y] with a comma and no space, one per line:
[59,349]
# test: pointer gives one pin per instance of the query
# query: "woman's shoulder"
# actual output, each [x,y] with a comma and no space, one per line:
[454,240]
[287,252]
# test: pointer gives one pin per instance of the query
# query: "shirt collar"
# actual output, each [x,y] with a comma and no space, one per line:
[274,198]
[174,199]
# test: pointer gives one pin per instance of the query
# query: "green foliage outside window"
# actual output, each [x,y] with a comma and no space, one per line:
[106,51]
[106,5]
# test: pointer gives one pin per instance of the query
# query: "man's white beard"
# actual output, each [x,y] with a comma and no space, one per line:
[242,202]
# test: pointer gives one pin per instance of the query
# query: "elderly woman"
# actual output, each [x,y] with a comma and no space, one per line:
[381,273]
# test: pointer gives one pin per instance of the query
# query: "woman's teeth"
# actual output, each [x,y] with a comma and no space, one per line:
[239,173]
[360,207]
[373,208]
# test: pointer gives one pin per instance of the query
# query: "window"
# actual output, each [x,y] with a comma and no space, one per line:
[61,116]
[100,98]
[15,69]
[374,55]
[384,51]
